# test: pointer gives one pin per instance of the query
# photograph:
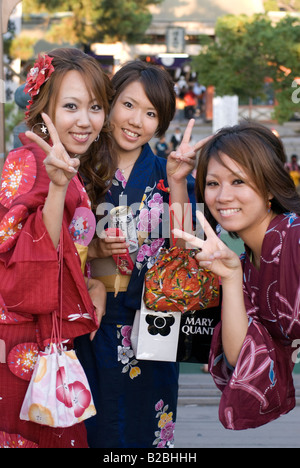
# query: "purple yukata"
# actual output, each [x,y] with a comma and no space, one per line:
[260,388]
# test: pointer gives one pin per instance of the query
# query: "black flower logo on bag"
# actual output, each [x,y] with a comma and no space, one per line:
[160,324]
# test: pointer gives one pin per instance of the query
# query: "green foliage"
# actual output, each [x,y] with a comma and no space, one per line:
[22,47]
[13,117]
[96,20]
[247,50]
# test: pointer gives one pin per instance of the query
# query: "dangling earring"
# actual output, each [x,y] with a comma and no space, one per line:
[269,206]
[98,138]
[41,128]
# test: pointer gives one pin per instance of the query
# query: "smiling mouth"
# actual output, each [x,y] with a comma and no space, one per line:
[82,137]
[130,134]
[229,212]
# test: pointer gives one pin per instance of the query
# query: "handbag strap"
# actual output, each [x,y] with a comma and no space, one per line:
[56,335]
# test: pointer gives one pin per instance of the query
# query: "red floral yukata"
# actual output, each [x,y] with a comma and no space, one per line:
[260,388]
[29,292]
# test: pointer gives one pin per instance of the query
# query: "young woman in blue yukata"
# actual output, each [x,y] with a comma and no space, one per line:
[136,400]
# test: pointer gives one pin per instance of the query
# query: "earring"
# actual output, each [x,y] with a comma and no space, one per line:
[98,138]
[269,206]
[41,128]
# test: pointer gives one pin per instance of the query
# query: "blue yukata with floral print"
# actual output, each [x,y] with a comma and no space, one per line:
[135,400]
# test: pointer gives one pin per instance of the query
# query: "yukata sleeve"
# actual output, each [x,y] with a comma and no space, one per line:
[286,295]
[192,197]
[28,259]
[259,389]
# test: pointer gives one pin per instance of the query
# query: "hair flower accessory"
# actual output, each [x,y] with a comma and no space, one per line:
[39,74]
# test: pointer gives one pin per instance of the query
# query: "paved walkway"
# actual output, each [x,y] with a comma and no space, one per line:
[198,425]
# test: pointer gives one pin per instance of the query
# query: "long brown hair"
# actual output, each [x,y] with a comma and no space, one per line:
[98,164]
[262,155]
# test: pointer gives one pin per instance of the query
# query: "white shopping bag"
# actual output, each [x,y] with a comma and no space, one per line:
[155,335]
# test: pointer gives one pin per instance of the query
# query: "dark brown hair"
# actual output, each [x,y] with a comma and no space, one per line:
[262,156]
[97,165]
[158,86]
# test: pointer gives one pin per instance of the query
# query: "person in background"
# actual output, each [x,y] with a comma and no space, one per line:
[21,99]
[162,148]
[199,91]
[41,196]
[189,103]
[293,169]
[176,138]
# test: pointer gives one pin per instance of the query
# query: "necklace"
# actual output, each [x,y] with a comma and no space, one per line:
[123,170]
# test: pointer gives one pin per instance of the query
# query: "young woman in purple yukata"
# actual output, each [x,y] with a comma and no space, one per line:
[246,190]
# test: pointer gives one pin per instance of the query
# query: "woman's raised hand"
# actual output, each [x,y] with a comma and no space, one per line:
[214,255]
[182,161]
[60,167]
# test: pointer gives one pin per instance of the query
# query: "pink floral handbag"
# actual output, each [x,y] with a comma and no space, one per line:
[58,394]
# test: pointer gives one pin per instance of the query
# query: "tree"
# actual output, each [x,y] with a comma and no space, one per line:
[96,20]
[246,51]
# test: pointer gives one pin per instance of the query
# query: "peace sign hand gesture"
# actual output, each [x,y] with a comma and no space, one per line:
[60,167]
[182,162]
[214,255]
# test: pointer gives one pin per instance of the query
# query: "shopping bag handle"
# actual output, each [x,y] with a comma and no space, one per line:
[56,335]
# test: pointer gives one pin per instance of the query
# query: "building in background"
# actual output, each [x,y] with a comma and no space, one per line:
[177,33]
[176,30]
[173,36]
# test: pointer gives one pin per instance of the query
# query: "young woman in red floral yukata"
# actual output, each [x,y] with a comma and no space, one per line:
[42,199]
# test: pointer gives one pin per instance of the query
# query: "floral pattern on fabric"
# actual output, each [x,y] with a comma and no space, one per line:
[58,394]
[18,176]
[74,395]
[15,441]
[40,415]
[151,209]
[22,359]
[10,226]
[119,177]
[176,282]
[147,219]
[165,434]
[125,353]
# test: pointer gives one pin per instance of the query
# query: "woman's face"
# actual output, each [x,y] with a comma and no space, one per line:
[232,201]
[78,117]
[134,120]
